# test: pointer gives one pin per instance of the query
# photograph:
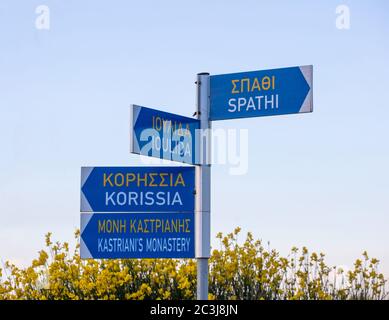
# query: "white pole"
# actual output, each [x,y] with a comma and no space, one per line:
[203,187]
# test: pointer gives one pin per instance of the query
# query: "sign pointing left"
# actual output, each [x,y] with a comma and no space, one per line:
[137,235]
[163,135]
[137,189]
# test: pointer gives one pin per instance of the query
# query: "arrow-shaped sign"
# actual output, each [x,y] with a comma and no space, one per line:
[261,93]
[163,135]
[137,189]
[143,235]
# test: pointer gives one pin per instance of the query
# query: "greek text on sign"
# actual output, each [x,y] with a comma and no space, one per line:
[137,189]
[163,135]
[137,235]
[261,93]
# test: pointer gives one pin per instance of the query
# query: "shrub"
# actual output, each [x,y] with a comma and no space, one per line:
[246,271]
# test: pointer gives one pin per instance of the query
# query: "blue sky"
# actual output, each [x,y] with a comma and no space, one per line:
[319,180]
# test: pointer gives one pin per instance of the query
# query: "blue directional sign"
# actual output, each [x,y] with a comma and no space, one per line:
[261,93]
[139,235]
[163,135]
[137,189]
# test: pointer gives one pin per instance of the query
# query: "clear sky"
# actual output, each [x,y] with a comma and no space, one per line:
[319,180]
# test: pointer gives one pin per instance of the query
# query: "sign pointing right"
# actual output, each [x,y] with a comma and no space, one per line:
[261,93]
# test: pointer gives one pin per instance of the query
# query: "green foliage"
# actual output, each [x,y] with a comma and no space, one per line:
[246,271]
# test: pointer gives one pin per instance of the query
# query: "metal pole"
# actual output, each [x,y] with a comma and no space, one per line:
[203,186]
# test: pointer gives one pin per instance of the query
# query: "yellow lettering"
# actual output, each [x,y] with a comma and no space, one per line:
[119,179]
[123,226]
[167,125]
[101,226]
[110,226]
[174,226]
[145,230]
[167,226]
[180,180]
[234,86]
[152,224]
[162,183]
[180,129]
[152,184]
[132,226]
[140,226]
[130,177]
[158,123]
[157,225]
[265,83]
[247,80]
[152,179]
[144,179]
[256,85]
[181,225]
[107,179]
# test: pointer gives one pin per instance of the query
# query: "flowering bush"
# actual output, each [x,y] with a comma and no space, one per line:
[247,271]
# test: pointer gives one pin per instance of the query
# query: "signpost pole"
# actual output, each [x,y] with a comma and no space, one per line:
[203,186]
